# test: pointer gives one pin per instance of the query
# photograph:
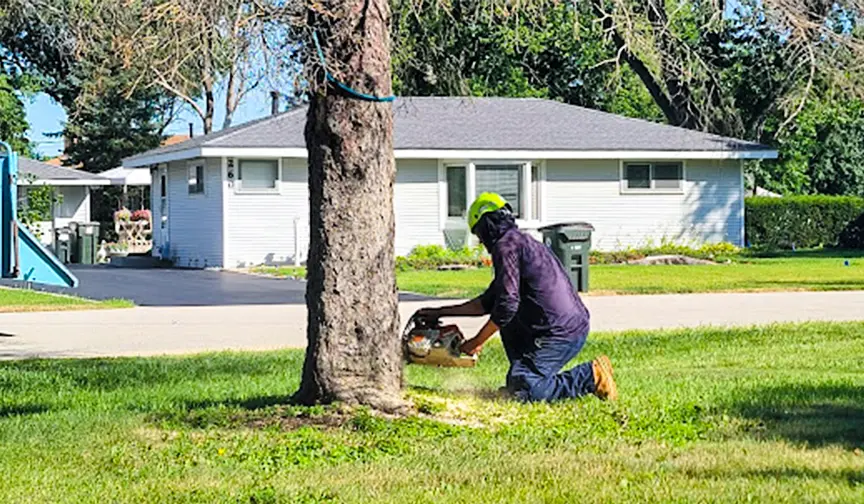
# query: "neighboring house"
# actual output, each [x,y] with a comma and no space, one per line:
[73,187]
[239,197]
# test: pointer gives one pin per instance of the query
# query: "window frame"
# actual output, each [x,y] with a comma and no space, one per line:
[447,167]
[238,180]
[536,187]
[622,176]
[195,164]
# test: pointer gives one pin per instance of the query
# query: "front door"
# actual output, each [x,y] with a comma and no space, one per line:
[164,228]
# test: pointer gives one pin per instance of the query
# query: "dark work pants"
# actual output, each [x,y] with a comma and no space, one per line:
[534,368]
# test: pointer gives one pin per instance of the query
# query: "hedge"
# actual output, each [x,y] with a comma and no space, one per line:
[802,221]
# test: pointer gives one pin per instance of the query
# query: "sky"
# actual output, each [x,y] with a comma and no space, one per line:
[46,116]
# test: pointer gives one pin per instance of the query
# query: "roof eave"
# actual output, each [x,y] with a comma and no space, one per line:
[66,182]
[147,159]
[300,152]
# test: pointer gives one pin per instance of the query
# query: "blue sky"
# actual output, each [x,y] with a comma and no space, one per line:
[46,116]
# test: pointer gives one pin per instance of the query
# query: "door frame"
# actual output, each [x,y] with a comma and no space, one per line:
[163,251]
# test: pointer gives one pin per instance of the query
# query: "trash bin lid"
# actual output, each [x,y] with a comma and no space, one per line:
[582,226]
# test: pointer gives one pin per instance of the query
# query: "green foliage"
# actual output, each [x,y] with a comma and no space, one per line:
[112,127]
[710,251]
[104,126]
[474,48]
[13,119]
[853,236]
[433,256]
[821,152]
[799,221]
[36,206]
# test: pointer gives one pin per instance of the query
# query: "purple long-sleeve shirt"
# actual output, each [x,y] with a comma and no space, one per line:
[531,295]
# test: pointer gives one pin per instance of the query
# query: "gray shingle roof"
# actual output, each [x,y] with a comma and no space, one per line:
[43,171]
[487,124]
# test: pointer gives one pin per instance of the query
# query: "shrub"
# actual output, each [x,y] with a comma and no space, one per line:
[853,235]
[711,251]
[799,221]
[433,256]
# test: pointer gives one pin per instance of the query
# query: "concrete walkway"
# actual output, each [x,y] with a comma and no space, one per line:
[179,330]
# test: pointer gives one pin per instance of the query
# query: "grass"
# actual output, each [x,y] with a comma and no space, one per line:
[801,271]
[810,272]
[20,300]
[770,414]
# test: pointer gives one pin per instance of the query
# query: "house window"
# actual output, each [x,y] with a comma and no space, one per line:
[196,179]
[456,197]
[505,180]
[653,176]
[258,174]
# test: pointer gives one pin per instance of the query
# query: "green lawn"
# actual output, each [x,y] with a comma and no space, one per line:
[18,300]
[793,272]
[772,414]
[809,270]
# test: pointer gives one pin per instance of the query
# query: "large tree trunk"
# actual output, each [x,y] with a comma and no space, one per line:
[353,354]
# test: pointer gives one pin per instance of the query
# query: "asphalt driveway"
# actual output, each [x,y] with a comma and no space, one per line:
[185,287]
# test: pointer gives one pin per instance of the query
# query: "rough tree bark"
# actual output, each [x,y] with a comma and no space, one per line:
[353,354]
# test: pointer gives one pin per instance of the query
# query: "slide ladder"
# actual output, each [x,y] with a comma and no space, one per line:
[22,256]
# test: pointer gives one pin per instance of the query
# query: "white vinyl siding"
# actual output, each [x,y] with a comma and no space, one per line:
[707,210]
[260,226]
[416,201]
[195,220]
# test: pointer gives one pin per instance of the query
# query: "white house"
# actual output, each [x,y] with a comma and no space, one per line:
[239,196]
[73,189]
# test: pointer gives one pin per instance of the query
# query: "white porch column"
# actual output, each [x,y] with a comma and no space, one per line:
[470,195]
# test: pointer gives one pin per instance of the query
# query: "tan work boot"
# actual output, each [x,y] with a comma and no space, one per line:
[604,384]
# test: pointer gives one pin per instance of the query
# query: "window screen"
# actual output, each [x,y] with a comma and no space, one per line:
[196,179]
[258,174]
[456,191]
[638,176]
[502,179]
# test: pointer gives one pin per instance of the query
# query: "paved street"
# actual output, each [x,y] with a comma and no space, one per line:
[186,287]
[185,329]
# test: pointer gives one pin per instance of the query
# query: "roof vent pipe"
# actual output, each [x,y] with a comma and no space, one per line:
[274,102]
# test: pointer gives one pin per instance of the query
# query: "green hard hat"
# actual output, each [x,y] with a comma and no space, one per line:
[485,203]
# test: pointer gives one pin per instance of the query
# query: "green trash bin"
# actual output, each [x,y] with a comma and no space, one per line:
[571,243]
[62,237]
[88,235]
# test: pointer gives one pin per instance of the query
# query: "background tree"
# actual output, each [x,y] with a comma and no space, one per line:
[105,122]
[13,119]
[188,48]
[472,49]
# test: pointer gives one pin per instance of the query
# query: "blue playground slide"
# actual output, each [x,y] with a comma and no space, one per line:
[22,256]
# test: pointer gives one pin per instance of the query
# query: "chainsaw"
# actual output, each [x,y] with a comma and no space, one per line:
[425,341]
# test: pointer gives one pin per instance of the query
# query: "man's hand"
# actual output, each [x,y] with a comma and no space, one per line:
[472,346]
